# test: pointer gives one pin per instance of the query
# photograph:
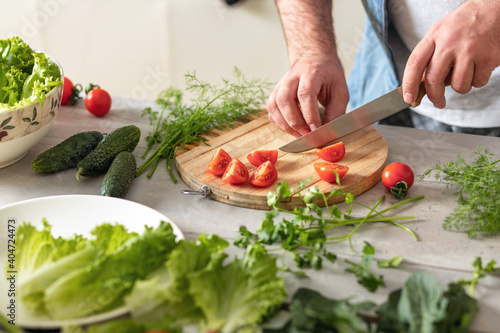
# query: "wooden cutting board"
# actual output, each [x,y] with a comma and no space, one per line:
[366,154]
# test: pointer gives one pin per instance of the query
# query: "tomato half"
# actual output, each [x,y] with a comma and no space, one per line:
[265,175]
[332,153]
[398,178]
[235,173]
[98,102]
[258,157]
[67,91]
[219,162]
[326,171]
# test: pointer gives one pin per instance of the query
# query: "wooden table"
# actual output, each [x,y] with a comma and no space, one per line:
[447,255]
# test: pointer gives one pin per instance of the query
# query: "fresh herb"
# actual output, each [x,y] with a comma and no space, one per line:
[422,306]
[478,193]
[479,273]
[180,124]
[362,270]
[305,235]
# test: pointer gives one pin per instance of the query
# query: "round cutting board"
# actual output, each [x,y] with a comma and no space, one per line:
[366,154]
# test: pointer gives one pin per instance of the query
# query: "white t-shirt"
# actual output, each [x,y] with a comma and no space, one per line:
[481,106]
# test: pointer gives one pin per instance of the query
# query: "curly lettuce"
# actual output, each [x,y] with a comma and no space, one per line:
[26,76]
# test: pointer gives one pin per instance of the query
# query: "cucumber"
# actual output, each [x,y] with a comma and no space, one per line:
[99,160]
[68,153]
[120,175]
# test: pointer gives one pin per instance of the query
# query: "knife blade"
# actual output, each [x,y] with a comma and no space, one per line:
[373,111]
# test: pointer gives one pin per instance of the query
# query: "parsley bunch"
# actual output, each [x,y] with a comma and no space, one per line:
[478,193]
[311,227]
[178,124]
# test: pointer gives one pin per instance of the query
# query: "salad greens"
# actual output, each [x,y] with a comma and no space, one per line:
[26,76]
[479,273]
[66,278]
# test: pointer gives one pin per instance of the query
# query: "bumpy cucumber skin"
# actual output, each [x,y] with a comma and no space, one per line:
[99,160]
[68,153]
[120,175]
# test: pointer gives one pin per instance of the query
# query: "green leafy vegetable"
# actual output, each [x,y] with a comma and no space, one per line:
[478,193]
[179,124]
[422,306]
[25,75]
[479,273]
[311,226]
[363,270]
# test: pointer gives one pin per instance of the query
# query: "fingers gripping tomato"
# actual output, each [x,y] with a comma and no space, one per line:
[258,157]
[265,175]
[235,173]
[97,101]
[328,171]
[398,178]
[332,153]
[219,162]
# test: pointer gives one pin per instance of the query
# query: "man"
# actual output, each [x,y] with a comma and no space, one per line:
[403,39]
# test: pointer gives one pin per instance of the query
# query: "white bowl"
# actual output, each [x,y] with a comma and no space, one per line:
[23,128]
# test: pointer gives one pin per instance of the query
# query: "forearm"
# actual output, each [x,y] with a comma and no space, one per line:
[308,27]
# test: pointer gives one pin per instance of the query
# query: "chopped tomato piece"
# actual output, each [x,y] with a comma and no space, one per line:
[328,171]
[219,162]
[236,172]
[258,157]
[332,153]
[265,175]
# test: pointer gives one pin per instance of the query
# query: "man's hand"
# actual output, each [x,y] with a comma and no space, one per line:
[316,74]
[318,78]
[465,43]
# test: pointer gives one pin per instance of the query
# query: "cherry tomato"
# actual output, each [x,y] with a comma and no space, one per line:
[98,102]
[265,175]
[219,162]
[67,91]
[326,170]
[332,153]
[398,178]
[258,157]
[235,173]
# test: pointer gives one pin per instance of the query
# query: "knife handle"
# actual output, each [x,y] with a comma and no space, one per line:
[422,92]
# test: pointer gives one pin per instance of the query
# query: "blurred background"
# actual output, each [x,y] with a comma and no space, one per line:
[136,48]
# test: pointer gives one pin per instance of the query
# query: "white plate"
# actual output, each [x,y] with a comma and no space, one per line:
[70,214]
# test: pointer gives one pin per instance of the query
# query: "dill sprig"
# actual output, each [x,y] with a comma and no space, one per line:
[478,193]
[178,124]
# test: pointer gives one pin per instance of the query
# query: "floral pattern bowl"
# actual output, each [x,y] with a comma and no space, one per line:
[23,128]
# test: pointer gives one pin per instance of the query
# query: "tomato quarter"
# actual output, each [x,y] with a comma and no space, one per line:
[235,173]
[219,162]
[98,102]
[398,178]
[332,153]
[326,171]
[265,175]
[258,157]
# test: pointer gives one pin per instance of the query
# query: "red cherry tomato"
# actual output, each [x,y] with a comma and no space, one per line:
[326,170]
[235,173]
[258,157]
[67,91]
[332,153]
[398,178]
[219,162]
[265,175]
[98,102]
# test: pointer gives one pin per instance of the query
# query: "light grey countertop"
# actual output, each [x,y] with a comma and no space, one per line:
[448,255]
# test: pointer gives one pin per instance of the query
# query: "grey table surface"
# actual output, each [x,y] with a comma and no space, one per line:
[446,254]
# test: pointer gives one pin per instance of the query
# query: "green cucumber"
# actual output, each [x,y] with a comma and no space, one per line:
[120,175]
[99,160]
[68,153]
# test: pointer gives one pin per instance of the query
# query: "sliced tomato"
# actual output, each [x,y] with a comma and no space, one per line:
[327,171]
[235,173]
[219,162]
[332,153]
[265,175]
[257,157]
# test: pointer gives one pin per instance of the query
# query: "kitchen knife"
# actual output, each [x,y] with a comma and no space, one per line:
[363,116]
